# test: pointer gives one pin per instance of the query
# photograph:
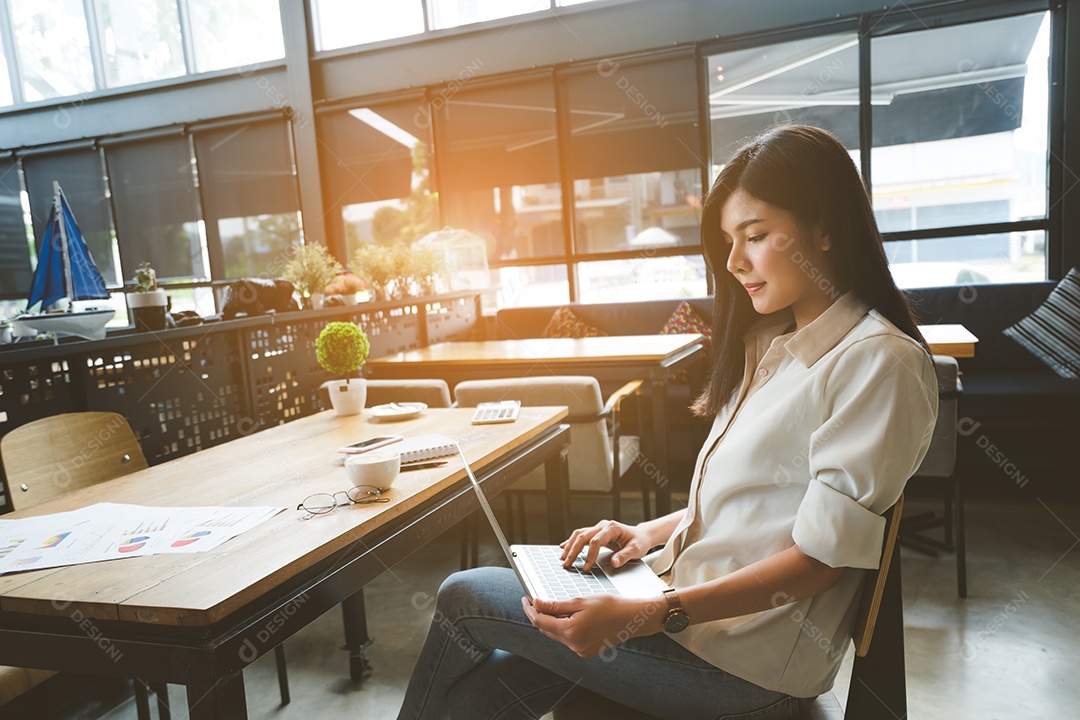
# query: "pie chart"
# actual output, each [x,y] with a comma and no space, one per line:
[132,544]
[190,538]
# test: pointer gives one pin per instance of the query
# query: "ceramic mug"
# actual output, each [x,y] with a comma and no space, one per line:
[378,469]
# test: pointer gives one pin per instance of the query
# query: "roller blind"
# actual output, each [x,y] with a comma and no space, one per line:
[15,269]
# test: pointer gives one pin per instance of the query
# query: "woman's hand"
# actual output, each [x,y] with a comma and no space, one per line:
[629,543]
[594,625]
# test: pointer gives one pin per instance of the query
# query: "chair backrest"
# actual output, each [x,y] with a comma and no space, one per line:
[58,454]
[874,585]
[433,393]
[590,457]
[940,459]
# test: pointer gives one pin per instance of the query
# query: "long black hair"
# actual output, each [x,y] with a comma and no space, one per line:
[806,171]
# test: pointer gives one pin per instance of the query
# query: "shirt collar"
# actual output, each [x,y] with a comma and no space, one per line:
[823,333]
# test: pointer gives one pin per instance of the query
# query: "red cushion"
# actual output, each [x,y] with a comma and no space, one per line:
[565,324]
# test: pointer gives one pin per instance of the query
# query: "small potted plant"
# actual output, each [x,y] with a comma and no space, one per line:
[346,285]
[341,349]
[310,270]
[148,304]
[427,266]
[377,265]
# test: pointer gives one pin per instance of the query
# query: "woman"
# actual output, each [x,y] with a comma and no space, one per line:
[823,396]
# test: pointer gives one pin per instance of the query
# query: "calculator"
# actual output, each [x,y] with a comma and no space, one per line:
[496,412]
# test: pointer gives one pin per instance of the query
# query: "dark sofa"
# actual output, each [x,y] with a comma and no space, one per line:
[1017,415]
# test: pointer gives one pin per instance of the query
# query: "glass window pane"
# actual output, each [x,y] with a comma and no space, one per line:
[635,155]
[5,79]
[15,247]
[500,167]
[376,178]
[451,13]
[971,260]
[642,279]
[157,216]
[234,33]
[140,40]
[812,82]
[249,195]
[54,47]
[341,23]
[960,124]
[531,286]
[82,177]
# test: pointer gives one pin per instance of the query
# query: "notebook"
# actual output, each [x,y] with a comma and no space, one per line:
[423,447]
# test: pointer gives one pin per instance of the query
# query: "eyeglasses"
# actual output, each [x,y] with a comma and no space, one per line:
[323,503]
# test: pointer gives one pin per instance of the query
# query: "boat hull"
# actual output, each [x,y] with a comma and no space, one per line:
[88,324]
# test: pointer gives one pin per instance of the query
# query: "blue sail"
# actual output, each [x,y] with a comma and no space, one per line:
[49,283]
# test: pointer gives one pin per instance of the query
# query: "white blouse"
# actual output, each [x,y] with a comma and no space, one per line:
[829,424]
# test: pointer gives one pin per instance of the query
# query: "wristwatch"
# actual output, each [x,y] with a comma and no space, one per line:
[677,620]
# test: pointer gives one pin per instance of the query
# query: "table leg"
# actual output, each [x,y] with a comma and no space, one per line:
[878,684]
[557,476]
[658,395]
[224,700]
[357,640]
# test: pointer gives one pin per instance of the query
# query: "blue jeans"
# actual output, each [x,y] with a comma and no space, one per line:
[484,660]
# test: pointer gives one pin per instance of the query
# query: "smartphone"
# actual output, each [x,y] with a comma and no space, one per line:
[370,444]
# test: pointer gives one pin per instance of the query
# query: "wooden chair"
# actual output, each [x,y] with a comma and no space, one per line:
[878,687]
[599,456]
[58,454]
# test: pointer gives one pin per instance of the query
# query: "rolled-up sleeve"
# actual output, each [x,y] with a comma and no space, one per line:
[881,401]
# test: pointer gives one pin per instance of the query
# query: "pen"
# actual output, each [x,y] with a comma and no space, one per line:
[423,465]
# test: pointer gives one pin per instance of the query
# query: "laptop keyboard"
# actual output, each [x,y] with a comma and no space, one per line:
[565,583]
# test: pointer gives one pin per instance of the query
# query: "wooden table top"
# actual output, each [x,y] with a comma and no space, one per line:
[613,348]
[277,467]
[953,340]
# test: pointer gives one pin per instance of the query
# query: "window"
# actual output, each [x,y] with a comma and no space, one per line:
[249,196]
[452,13]
[968,260]
[814,81]
[6,97]
[531,286]
[235,33]
[643,278]
[376,178]
[341,23]
[634,154]
[960,124]
[140,40]
[499,167]
[157,213]
[15,269]
[81,176]
[54,48]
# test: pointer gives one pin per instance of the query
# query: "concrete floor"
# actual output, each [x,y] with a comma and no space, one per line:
[1011,650]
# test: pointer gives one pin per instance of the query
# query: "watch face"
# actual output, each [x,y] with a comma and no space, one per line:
[676,622]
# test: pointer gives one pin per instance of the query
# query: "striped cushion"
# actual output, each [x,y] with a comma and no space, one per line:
[1052,332]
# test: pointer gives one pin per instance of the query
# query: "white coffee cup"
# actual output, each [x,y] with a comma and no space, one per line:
[378,469]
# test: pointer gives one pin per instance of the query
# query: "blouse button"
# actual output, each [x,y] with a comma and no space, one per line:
[762,372]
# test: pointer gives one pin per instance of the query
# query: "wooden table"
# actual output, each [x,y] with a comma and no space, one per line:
[652,358]
[199,619]
[953,340]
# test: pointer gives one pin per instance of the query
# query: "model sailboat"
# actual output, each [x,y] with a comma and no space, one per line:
[65,269]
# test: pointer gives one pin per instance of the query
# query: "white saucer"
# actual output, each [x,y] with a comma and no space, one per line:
[397,411]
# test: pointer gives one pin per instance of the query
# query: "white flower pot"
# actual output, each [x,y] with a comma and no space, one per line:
[347,398]
[148,309]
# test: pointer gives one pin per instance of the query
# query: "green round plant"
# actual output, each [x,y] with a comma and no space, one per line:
[341,348]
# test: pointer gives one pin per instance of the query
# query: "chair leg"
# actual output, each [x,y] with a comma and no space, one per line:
[161,690]
[142,700]
[959,541]
[947,518]
[616,502]
[282,674]
[357,639]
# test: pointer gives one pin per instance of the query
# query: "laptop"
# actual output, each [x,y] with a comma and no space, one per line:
[541,571]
